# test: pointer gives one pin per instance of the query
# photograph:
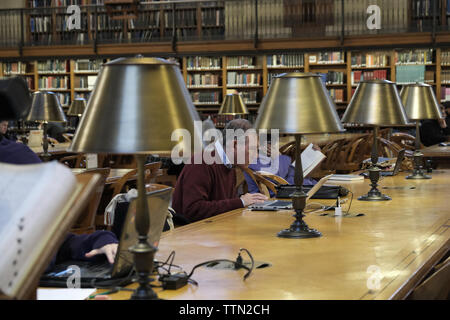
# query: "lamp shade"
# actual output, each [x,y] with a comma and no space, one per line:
[233,105]
[420,102]
[298,103]
[45,107]
[136,105]
[77,107]
[377,103]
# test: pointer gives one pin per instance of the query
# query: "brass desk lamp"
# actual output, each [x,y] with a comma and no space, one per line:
[134,109]
[77,109]
[420,103]
[375,103]
[45,108]
[233,105]
[298,103]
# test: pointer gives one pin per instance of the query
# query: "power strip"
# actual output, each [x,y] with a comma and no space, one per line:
[174,281]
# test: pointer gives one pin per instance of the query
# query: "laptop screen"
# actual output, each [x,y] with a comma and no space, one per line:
[158,204]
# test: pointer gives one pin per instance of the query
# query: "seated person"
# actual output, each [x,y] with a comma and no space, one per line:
[87,247]
[16,153]
[285,169]
[55,130]
[436,131]
[205,190]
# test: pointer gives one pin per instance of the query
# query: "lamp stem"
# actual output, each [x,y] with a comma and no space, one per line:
[143,251]
[374,173]
[46,156]
[299,229]
[418,172]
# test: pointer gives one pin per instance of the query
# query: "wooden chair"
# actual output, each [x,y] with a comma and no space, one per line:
[86,222]
[74,161]
[436,286]
[152,171]
[404,140]
[119,186]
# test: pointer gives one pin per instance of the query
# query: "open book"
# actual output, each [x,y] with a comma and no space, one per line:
[38,204]
[310,159]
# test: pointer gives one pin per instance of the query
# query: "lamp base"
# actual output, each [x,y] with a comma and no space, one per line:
[144,293]
[374,196]
[418,175]
[299,234]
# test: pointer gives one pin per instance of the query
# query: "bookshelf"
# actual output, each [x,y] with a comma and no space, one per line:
[209,78]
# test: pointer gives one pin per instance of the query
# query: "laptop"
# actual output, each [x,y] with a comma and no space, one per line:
[274,205]
[397,166]
[102,272]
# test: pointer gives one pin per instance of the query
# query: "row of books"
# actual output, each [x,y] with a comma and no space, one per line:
[423,8]
[84,95]
[53,66]
[146,19]
[445,58]
[11,68]
[250,96]
[410,74]
[64,98]
[445,93]
[445,77]
[213,17]
[85,82]
[59,3]
[358,76]
[202,80]
[183,18]
[336,57]
[41,24]
[206,97]
[54,82]
[203,63]
[285,60]
[337,94]
[418,56]
[241,62]
[333,77]
[243,79]
[90,65]
[377,59]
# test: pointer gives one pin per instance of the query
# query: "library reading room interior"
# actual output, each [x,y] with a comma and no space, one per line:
[224,149]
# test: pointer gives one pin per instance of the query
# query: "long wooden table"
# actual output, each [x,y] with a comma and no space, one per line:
[439,155]
[381,255]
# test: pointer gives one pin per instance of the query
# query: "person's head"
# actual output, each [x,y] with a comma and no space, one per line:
[445,107]
[240,142]
[3,127]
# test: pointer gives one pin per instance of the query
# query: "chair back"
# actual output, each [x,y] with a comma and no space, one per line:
[118,186]
[151,171]
[86,222]
[74,161]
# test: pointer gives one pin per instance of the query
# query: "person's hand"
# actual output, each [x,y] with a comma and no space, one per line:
[252,198]
[109,250]
[316,147]
[442,123]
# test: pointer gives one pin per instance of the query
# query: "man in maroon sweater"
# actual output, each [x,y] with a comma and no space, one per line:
[205,190]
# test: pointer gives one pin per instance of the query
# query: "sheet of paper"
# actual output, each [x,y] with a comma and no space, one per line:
[31,197]
[64,294]
[310,159]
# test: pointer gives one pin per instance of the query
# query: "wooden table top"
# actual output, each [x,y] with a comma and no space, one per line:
[436,151]
[114,174]
[393,245]
[58,148]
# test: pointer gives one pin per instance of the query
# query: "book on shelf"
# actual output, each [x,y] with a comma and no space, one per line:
[445,93]
[337,57]
[206,97]
[358,76]
[243,79]
[53,66]
[285,60]
[370,60]
[88,65]
[203,63]
[54,82]
[241,62]
[85,82]
[337,95]
[406,74]
[12,68]
[202,80]
[417,56]
[251,96]
[445,76]
[33,224]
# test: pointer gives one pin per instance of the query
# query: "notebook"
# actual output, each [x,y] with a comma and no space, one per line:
[158,203]
[274,205]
